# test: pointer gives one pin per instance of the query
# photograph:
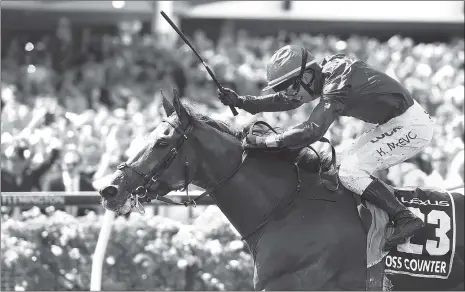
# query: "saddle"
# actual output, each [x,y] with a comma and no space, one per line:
[306,158]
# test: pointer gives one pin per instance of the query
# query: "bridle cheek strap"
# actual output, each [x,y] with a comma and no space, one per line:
[139,194]
[186,178]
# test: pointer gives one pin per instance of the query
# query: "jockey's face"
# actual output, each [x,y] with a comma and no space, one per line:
[299,88]
[307,79]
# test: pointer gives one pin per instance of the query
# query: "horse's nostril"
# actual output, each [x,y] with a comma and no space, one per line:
[109,192]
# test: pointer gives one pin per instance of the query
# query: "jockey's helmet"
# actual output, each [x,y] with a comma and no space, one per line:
[287,66]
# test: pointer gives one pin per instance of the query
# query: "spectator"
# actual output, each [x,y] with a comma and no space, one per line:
[415,178]
[19,173]
[111,98]
[454,177]
[71,178]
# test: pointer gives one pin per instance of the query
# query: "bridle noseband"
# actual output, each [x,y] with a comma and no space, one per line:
[139,194]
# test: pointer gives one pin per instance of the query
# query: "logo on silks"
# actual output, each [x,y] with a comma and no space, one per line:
[430,252]
[386,134]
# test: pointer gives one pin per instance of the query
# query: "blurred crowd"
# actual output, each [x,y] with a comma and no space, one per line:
[69,122]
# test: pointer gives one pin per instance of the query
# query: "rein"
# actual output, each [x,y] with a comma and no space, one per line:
[288,199]
[139,194]
[193,202]
[320,167]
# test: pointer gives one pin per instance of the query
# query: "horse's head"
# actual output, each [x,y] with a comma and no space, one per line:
[162,164]
[190,147]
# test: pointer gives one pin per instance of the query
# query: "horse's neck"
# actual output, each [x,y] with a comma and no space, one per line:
[253,192]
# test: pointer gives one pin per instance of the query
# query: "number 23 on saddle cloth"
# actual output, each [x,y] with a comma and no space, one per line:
[430,252]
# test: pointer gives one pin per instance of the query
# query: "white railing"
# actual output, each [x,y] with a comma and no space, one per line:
[60,199]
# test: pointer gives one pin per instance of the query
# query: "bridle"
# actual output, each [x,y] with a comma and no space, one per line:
[139,194]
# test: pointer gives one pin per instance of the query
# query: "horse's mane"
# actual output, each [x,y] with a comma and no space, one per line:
[309,160]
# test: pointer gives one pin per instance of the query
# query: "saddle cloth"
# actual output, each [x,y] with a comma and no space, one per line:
[430,252]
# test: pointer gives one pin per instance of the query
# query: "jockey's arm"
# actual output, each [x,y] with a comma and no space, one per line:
[311,130]
[276,102]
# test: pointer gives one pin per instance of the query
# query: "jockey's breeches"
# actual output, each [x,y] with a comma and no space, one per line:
[384,146]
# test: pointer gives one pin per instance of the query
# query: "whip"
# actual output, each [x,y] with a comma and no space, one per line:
[210,72]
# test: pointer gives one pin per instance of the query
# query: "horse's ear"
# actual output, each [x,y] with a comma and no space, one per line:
[167,106]
[179,107]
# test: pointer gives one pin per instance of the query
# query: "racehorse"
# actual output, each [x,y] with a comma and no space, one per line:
[302,234]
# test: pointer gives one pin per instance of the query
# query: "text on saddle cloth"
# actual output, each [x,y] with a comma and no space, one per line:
[430,252]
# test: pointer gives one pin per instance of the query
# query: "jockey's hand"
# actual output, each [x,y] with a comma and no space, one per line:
[229,97]
[253,141]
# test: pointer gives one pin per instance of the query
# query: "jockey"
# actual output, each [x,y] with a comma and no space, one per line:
[347,87]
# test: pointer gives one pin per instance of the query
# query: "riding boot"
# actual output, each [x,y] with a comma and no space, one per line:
[405,222]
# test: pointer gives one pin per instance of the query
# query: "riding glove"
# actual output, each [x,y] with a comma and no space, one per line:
[230,97]
[276,102]
[254,141]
